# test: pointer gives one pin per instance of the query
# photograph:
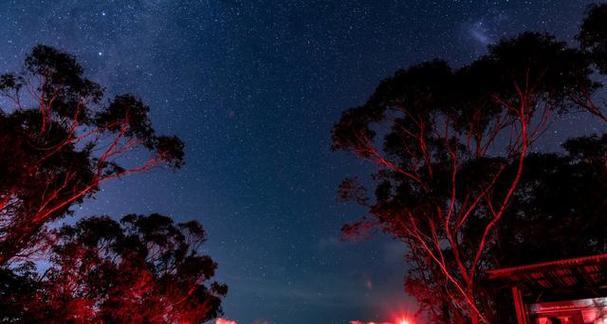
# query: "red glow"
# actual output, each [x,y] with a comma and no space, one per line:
[403,320]
[224,321]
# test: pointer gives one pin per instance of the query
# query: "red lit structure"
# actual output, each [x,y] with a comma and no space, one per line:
[573,291]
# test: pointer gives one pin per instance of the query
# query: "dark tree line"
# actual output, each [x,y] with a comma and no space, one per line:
[143,269]
[60,140]
[456,180]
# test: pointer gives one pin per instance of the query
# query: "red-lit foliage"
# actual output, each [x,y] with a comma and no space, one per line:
[59,142]
[145,269]
[452,155]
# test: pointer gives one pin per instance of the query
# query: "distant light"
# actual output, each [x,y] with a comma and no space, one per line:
[224,321]
[100,53]
[404,322]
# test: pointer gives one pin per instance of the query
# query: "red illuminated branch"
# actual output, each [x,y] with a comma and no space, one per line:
[370,152]
[469,299]
[497,215]
[49,205]
[478,199]
[585,100]
[451,210]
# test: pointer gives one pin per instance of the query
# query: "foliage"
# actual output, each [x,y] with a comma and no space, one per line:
[558,211]
[452,148]
[143,269]
[59,142]
[593,35]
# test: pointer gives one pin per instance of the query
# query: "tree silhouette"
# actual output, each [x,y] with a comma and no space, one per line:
[593,40]
[558,211]
[145,269]
[593,35]
[59,141]
[451,147]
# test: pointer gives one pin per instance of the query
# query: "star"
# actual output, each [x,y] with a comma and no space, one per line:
[253,88]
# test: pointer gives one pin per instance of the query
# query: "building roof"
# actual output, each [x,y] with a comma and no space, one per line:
[581,272]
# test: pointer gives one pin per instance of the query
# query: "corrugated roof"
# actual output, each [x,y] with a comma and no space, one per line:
[588,271]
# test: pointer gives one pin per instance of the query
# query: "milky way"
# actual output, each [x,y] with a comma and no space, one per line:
[253,87]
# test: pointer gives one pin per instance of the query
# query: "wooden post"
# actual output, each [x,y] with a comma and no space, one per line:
[519,306]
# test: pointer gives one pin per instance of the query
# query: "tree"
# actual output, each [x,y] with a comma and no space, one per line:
[593,40]
[593,35]
[145,269]
[18,287]
[558,211]
[59,142]
[454,143]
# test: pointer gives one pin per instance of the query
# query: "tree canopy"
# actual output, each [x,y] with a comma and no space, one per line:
[60,140]
[455,179]
[143,269]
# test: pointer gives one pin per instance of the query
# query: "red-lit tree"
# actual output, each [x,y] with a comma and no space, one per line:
[145,269]
[451,156]
[59,142]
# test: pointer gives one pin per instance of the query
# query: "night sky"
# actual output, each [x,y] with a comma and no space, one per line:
[253,88]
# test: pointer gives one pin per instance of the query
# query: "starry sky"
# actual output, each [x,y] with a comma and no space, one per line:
[253,88]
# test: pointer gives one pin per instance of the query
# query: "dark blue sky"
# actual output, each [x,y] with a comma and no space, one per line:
[253,88]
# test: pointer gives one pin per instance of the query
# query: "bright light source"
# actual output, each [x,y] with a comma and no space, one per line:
[404,322]
[224,321]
